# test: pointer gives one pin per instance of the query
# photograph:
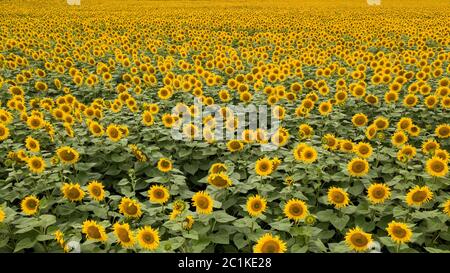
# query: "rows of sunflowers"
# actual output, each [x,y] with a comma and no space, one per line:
[89,95]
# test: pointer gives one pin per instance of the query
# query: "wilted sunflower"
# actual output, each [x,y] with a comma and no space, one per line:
[338,197]
[164,165]
[256,205]
[358,167]
[124,235]
[158,194]
[436,167]
[399,232]
[263,166]
[295,209]
[96,191]
[29,205]
[203,202]
[72,192]
[219,180]
[36,164]
[418,196]
[94,231]
[68,155]
[270,244]
[130,208]
[357,239]
[378,193]
[148,238]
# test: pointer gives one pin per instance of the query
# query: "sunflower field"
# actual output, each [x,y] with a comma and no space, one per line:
[90,96]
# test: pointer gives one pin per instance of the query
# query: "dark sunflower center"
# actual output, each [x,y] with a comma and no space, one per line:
[419,196]
[256,205]
[379,193]
[359,240]
[123,235]
[132,209]
[73,193]
[296,209]
[31,204]
[358,167]
[148,238]
[399,232]
[270,247]
[93,232]
[338,197]
[202,202]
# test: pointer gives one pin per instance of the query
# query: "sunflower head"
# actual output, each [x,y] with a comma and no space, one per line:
[158,194]
[130,208]
[256,205]
[203,202]
[264,166]
[96,190]
[94,231]
[399,232]
[148,238]
[219,180]
[270,244]
[338,197]
[124,235]
[295,209]
[357,239]
[30,205]
[164,165]
[418,196]
[378,193]
[67,155]
[358,167]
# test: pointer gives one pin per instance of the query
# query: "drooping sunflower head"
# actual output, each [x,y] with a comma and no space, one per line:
[130,208]
[68,155]
[219,180]
[164,165]
[358,167]
[295,209]
[256,205]
[217,168]
[96,190]
[436,166]
[148,238]
[203,202]
[72,192]
[357,239]
[378,193]
[338,197]
[124,235]
[399,232]
[263,166]
[158,194]
[30,205]
[418,196]
[270,244]
[94,231]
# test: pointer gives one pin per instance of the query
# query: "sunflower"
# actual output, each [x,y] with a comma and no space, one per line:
[407,151]
[164,165]
[270,244]
[158,194]
[130,208]
[325,108]
[357,239]
[188,222]
[203,202]
[94,231]
[67,155]
[359,120]
[217,168]
[148,238]
[305,131]
[418,195]
[442,154]
[124,235]
[256,205]
[2,215]
[363,150]
[96,129]
[29,205]
[147,118]
[4,132]
[399,138]
[35,122]
[72,192]
[235,145]
[436,167]
[220,180]
[446,208]
[399,232]
[378,193]
[338,197]
[32,144]
[36,164]
[114,133]
[442,131]
[330,142]
[346,146]
[371,131]
[168,120]
[309,155]
[381,123]
[404,124]
[358,167]
[264,166]
[414,130]
[295,209]
[96,191]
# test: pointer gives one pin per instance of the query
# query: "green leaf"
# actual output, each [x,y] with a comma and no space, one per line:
[222,217]
[339,222]
[24,244]
[283,225]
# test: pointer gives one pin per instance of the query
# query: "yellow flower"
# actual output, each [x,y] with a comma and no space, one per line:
[235,145]
[2,215]
[363,149]
[295,209]
[29,205]
[124,235]
[308,155]
[358,167]
[219,180]
[418,195]
[357,239]
[442,131]
[217,168]
[94,231]
[446,208]
[147,118]
[130,208]
[4,132]
[96,128]
[36,164]
[399,232]
[188,222]
[378,193]
[270,244]
[148,238]
[158,194]
[72,192]
[35,122]
[256,205]
[96,191]
[203,202]
[359,120]
[263,166]
[436,167]
[32,144]
[338,197]
[399,138]
[68,155]
[114,133]
[164,165]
